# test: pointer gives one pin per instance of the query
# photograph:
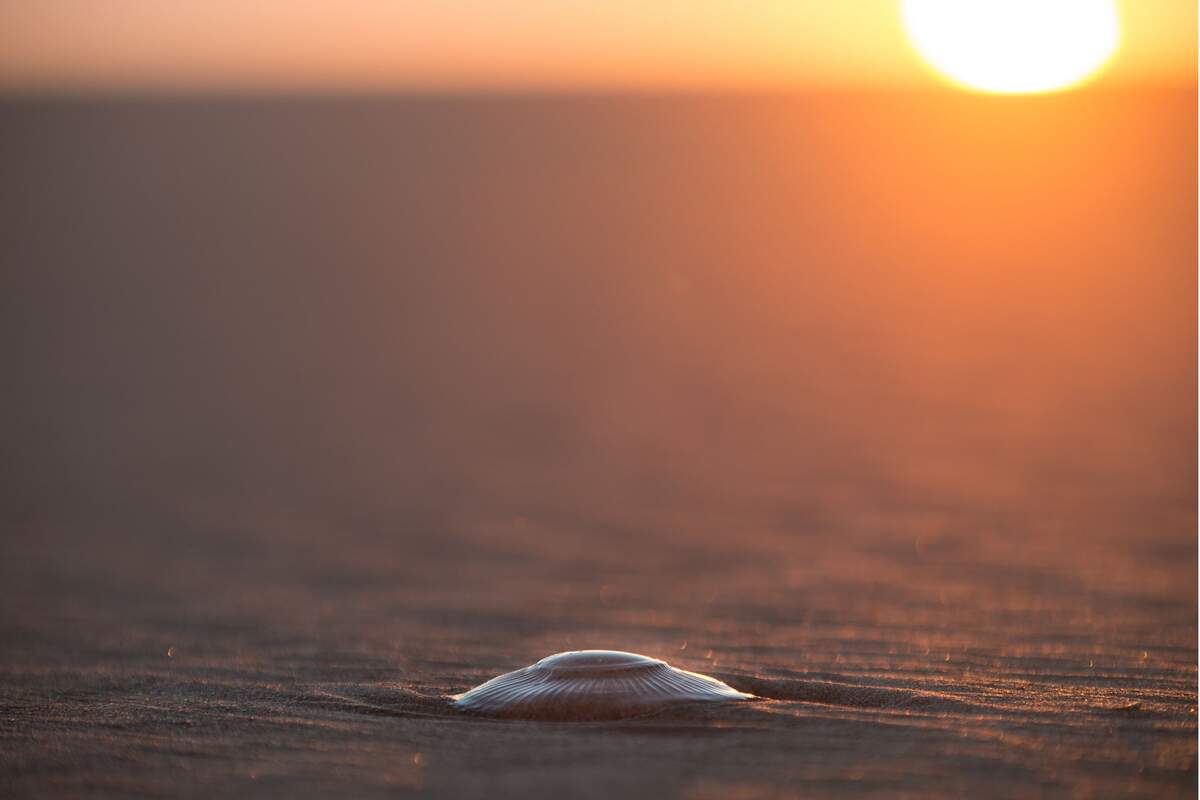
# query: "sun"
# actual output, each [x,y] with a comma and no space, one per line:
[1014,46]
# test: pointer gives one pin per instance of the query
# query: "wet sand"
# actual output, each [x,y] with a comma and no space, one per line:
[321,410]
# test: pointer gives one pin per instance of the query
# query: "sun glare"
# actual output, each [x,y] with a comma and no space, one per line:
[1014,46]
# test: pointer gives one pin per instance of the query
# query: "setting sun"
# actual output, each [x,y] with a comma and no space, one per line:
[1014,46]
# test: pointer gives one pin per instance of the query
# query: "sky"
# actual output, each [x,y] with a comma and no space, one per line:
[506,44]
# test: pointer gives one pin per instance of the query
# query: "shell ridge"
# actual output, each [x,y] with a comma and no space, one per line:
[520,687]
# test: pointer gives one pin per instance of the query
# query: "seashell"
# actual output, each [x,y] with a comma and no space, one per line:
[592,684]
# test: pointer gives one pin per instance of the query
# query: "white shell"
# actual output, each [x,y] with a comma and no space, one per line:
[592,684]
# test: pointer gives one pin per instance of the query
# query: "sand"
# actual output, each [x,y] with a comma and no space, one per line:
[267,660]
[879,408]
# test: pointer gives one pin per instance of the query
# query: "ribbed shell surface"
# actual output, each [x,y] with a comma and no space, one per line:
[592,684]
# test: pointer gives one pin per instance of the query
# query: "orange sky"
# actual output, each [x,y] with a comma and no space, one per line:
[396,44]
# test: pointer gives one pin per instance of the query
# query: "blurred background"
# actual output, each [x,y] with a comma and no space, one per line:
[482,259]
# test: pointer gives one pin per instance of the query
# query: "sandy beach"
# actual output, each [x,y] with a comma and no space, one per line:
[266,661]
[322,410]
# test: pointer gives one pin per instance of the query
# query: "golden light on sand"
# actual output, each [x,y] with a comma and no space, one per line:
[1014,46]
